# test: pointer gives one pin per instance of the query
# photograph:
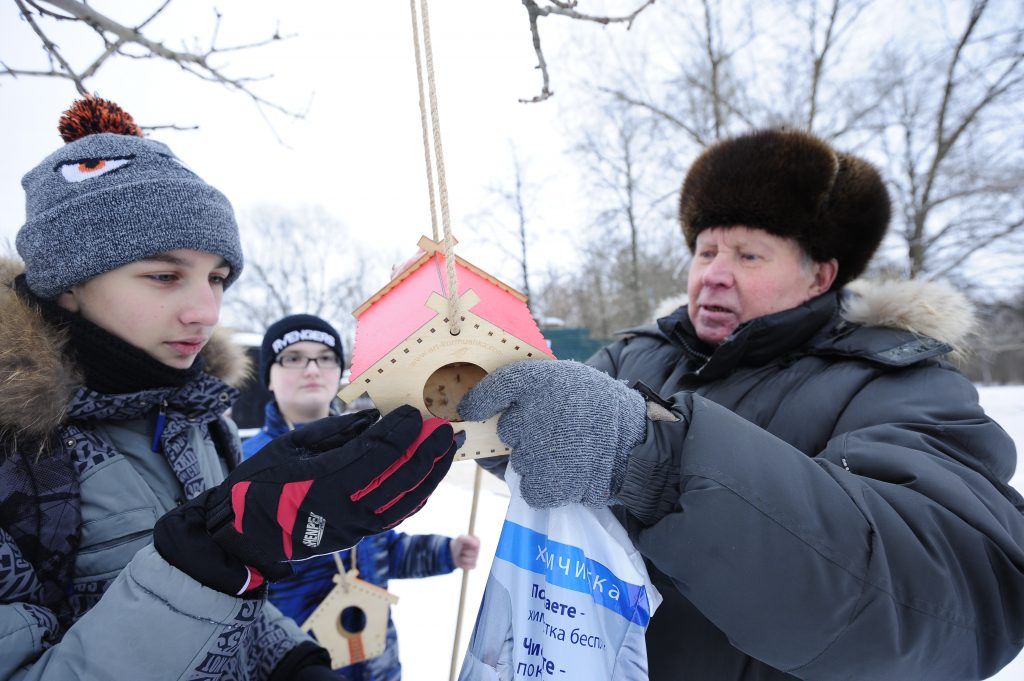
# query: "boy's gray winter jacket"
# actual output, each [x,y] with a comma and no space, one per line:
[83,594]
[832,502]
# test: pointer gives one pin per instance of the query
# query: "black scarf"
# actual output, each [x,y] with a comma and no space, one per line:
[755,342]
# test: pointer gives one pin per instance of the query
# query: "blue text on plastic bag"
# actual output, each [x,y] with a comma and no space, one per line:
[567,566]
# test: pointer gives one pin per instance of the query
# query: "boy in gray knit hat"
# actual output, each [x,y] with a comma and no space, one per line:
[116,498]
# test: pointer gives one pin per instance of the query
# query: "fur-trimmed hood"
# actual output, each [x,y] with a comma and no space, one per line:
[925,308]
[37,381]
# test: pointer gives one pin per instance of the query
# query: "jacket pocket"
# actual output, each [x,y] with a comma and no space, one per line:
[109,543]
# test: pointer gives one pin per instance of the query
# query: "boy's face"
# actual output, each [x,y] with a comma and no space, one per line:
[166,305]
[306,386]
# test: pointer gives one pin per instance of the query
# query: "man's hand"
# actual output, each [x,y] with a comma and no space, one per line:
[570,428]
[313,491]
[465,549]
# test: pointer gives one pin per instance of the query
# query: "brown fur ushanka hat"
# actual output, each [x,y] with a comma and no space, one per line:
[791,184]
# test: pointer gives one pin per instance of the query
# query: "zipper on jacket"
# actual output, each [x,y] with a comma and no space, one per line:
[705,358]
[116,541]
[161,421]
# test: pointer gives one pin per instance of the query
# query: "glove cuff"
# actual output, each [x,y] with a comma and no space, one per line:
[650,486]
[305,661]
[632,432]
[181,537]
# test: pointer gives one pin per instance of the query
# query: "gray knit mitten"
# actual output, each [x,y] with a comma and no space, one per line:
[570,427]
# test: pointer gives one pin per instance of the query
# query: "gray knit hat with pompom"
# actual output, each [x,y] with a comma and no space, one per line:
[109,198]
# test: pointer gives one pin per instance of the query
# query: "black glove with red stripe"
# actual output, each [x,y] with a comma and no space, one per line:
[314,491]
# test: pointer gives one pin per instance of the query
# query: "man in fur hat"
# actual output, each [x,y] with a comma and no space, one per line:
[817,492]
[127,550]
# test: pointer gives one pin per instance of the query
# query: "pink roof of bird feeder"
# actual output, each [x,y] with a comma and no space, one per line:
[396,311]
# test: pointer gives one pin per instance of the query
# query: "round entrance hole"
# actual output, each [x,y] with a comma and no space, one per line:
[352,621]
[445,388]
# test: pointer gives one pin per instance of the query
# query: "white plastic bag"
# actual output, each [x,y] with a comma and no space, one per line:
[568,597]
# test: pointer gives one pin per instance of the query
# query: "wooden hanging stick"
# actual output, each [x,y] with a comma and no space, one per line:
[465,576]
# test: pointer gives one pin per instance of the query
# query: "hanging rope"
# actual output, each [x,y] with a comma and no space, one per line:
[423,120]
[341,566]
[454,321]
[454,315]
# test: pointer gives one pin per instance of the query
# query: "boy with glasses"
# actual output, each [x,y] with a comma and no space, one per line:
[127,549]
[301,359]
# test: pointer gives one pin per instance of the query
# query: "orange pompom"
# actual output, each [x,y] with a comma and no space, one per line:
[91,115]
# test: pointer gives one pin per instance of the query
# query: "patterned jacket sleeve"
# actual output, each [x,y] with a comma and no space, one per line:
[419,555]
[26,629]
[152,617]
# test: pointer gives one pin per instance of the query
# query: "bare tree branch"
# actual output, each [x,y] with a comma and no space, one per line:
[505,224]
[976,246]
[52,50]
[48,13]
[169,126]
[566,9]
[694,134]
[157,12]
[297,260]
[955,115]
[118,38]
[818,63]
[715,59]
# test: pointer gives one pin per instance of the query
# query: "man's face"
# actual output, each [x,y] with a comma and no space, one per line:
[166,305]
[300,385]
[739,273]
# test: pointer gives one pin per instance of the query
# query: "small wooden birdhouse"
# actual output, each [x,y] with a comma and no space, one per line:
[405,352]
[352,620]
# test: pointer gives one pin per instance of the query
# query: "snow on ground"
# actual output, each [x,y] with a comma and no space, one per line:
[1005,404]
[426,614]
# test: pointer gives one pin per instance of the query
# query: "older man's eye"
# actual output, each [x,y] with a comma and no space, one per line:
[88,168]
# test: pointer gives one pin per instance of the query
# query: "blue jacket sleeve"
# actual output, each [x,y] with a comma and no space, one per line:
[419,555]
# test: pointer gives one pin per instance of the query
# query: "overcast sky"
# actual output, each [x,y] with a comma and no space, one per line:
[359,152]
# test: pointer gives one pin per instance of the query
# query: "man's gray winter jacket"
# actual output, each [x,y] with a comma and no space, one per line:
[832,502]
[83,594]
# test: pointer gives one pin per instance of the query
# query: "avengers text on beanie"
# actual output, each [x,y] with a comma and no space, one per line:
[791,184]
[109,198]
[295,329]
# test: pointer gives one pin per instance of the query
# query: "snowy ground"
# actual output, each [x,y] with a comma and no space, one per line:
[1006,405]
[426,614]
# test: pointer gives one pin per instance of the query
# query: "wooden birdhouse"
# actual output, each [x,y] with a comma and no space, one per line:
[405,352]
[352,620]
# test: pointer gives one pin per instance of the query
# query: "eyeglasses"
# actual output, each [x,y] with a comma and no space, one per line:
[291,361]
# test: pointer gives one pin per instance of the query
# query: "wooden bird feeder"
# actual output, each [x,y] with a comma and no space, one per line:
[328,622]
[405,352]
